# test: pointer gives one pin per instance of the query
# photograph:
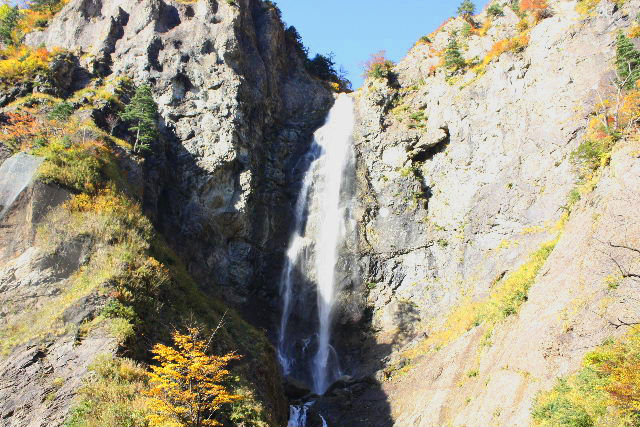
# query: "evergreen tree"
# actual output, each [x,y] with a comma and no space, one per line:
[452,57]
[9,17]
[466,9]
[294,37]
[495,10]
[627,61]
[322,66]
[141,112]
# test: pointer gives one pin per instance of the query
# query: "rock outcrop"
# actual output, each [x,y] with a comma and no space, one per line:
[461,178]
[238,110]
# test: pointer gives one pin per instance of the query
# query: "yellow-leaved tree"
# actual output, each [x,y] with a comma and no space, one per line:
[186,387]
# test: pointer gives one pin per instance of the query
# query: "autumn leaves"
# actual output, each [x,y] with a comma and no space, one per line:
[187,386]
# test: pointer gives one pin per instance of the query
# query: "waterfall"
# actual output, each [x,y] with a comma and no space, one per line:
[298,415]
[320,225]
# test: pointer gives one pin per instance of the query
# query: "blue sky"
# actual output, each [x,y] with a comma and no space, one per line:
[353,29]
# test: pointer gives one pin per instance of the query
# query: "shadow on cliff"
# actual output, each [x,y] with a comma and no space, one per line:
[357,397]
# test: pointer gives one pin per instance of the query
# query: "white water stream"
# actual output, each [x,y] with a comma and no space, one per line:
[321,216]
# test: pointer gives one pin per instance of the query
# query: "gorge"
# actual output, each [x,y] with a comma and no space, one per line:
[455,243]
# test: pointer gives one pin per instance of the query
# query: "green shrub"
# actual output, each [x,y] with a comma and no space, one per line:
[495,10]
[378,66]
[50,6]
[247,411]
[515,6]
[380,71]
[573,198]
[78,167]
[115,308]
[560,411]
[41,23]
[590,155]
[604,392]
[121,329]
[61,111]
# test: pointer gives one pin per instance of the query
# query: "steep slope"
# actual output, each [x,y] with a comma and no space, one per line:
[104,249]
[482,290]
[497,235]
[237,107]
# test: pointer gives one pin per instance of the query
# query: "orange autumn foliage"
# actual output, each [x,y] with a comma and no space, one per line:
[30,17]
[20,130]
[620,362]
[513,44]
[20,63]
[539,8]
[532,5]
[186,388]
[377,64]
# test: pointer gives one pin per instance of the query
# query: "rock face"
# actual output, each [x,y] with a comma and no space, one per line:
[39,376]
[238,110]
[460,180]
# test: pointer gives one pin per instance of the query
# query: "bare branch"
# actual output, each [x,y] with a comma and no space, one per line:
[623,272]
[215,331]
[622,323]
[624,247]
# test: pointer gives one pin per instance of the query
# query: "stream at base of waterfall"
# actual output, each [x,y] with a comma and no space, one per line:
[308,285]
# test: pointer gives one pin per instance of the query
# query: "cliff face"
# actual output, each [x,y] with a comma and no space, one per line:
[237,110]
[489,261]
[464,180]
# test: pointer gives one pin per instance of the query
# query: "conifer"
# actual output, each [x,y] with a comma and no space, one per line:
[466,9]
[452,57]
[9,17]
[627,61]
[141,112]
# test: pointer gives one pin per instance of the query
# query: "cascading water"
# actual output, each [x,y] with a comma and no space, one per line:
[321,222]
[298,415]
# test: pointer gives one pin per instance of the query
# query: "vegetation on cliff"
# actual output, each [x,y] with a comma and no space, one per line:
[186,387]
[320,66]
[143,288]
[605,392]
[507,296]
